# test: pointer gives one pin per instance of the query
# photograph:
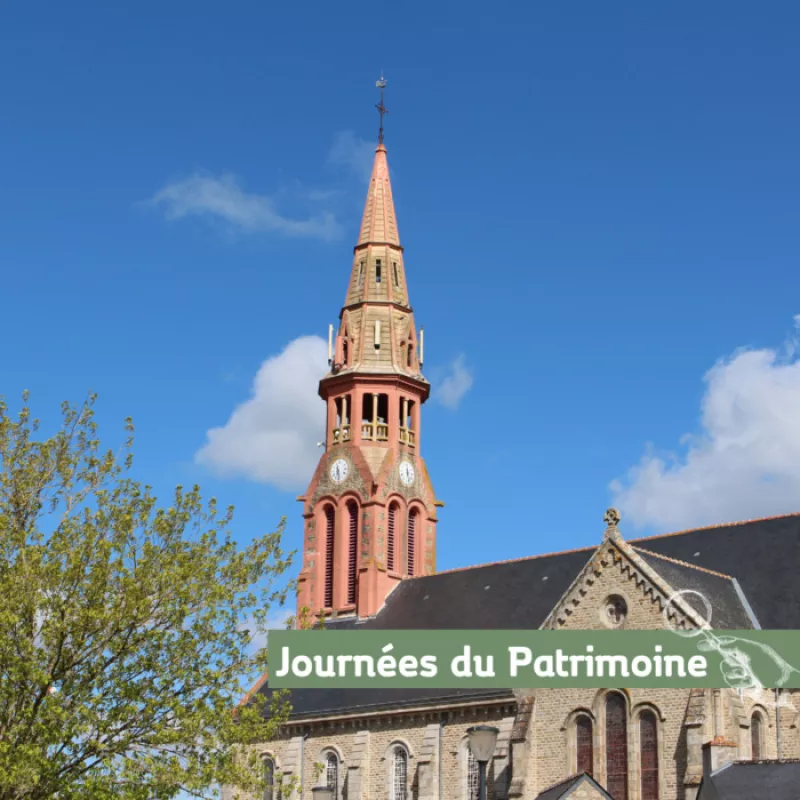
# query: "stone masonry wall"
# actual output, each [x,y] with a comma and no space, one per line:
[542,751]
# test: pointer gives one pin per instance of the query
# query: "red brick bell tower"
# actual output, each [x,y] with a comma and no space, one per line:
[370,509]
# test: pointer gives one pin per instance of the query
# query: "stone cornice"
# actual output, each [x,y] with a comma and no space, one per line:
[431,712]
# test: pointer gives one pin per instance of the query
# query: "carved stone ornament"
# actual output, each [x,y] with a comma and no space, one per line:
[418,490]
[353,481]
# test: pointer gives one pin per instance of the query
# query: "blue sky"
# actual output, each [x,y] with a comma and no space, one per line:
[599,203]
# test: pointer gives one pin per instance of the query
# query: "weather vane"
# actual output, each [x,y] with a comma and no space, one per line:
[381,84]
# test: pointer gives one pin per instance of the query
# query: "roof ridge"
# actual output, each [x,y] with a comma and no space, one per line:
[506,561]
[718,525]
[563,781]
[594,547]
[683,563]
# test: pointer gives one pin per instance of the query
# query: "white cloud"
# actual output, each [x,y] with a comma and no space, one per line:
[272,437]
[223,198]
[454,383]
[350,151]
[745,463]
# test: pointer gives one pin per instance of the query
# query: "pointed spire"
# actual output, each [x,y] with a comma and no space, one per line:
[377,333]
[379,223]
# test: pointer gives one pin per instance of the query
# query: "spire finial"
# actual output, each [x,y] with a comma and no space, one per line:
[381,84]
[612,518]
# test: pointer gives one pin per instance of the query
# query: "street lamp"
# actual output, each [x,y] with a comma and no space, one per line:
[322,793]
[482,740]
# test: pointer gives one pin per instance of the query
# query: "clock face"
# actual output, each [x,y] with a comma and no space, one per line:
[339,470]
[406,473]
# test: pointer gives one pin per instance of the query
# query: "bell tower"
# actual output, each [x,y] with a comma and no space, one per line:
[370,509]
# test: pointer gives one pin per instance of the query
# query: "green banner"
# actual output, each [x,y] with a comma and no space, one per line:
[533,659]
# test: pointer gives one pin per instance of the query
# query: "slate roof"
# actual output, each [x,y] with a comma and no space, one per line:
[565,788]
[763,556]
[727,607]
[751,780]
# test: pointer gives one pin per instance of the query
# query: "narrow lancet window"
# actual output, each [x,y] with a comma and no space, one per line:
[330,530]
[755,736]
[585,745]
[391,529]
[400,774]
[617,747]
[648,746]
[352,554]
[412,541]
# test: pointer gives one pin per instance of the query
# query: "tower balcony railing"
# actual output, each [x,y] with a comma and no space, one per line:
[409,437]
[375,431]
[341,434]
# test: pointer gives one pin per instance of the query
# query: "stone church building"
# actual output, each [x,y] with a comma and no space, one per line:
[369,561]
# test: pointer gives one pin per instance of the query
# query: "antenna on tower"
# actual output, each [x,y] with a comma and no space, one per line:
[381,84]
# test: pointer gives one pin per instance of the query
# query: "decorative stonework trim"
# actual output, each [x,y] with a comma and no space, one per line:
[646,705]
[331,748]
[615,551]
[353,483]
[683,563]
[398,741]
[580,711]
[265,754]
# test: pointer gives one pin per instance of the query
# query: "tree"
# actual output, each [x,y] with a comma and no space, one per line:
[122,639]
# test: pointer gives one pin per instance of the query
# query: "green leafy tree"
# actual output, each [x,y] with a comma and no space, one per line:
[125,627]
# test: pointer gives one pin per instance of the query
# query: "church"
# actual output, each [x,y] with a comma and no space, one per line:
[369,561]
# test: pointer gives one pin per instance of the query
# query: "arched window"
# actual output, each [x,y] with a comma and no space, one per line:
[269,779]
[410,362]
[648,748]
[399,775]
[330,532]
[332,773]
[472,785]
[585,747]
[617,746]
[411,541]
[756,725]
[352,552]
[391,528]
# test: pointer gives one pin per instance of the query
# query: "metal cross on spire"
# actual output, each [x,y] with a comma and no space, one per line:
[381,84]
